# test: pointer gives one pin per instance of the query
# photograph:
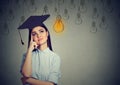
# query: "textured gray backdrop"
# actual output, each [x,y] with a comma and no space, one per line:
[90,53]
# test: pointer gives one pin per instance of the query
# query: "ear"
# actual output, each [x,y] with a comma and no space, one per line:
[47,33]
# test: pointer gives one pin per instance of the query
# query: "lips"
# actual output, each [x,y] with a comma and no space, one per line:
[40,39]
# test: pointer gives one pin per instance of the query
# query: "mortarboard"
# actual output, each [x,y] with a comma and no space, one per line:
[32,22]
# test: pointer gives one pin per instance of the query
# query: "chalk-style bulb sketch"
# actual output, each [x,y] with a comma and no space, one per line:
[72,4]
[17,2]
[32,6]
[66,14]
[103,23]
[119,19]
[45,10]
[60,2]
[22,19]
[108,6]
[4,29]
[78,19]
[83,7]
[95,14]
[93,28]
[10,14]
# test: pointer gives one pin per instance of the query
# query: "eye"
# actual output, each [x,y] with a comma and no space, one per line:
[33,34]
[41,31]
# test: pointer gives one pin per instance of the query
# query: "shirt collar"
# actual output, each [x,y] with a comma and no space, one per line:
[44,51]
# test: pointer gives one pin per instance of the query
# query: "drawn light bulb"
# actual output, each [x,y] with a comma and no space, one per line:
[61,1]
[78,19]
[83,7]
[72,4]
[94,1]
[103,4]
[55,6]
[119,18]
[22,19]
[32,6]
[58,26]
[95,13]
[1,13]
[10,14]
[17,2]
[103,23]
[108,6]
[55,9]
[93,28]
[4,30]
[66,15]
[50,1]
[45,10]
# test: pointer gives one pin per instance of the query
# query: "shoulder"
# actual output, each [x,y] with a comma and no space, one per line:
[33,53]
[54,55]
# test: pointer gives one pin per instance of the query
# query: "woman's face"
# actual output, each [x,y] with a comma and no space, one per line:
[40,35]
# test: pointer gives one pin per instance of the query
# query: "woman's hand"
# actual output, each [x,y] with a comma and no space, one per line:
[23,79]
[33,81]
[33,45]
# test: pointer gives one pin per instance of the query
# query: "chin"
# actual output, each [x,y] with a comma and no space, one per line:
[40,43]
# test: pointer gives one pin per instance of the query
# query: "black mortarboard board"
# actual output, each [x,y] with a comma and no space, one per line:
[32,22]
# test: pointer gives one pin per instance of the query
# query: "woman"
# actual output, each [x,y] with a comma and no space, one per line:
[41,66]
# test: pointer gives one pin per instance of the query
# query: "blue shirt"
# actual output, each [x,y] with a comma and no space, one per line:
[45,65]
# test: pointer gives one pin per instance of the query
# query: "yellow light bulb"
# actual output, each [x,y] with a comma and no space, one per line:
[58,26]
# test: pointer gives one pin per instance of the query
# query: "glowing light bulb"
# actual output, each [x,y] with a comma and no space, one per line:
[58,26]
[93,27]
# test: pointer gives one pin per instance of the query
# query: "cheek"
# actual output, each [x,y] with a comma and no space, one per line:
[34,38]
[45,37]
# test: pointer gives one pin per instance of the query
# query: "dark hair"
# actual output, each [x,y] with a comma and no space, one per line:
[48,40]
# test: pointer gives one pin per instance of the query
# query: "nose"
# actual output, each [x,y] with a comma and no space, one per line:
[38,35]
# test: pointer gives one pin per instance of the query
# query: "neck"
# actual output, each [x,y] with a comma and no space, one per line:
[43,46]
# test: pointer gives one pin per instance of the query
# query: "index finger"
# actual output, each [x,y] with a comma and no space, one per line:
[31,38]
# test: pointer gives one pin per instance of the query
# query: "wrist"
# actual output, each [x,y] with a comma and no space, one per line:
[29,50]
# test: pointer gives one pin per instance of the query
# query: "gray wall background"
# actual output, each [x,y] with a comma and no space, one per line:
[88,57]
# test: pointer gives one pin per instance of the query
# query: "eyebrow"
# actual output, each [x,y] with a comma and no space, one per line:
[33,32]
[38,30]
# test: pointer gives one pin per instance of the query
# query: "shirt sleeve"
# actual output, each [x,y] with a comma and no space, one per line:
[55,73]
[22,62]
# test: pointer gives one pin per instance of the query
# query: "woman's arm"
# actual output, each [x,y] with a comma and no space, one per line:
[27,66]
[38,82]
[33,81]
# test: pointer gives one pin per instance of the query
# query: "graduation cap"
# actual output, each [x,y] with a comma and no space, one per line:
[32,22]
